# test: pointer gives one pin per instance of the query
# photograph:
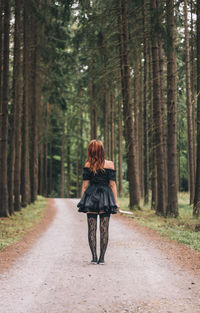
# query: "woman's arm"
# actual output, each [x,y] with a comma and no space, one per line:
[85,184]
[113,186]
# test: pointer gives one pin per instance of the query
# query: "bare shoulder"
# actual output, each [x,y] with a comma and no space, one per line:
[87,164]
[109,164]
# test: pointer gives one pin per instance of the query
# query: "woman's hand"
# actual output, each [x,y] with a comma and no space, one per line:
[118,207]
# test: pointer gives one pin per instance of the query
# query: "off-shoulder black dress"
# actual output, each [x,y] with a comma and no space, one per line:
[98,197]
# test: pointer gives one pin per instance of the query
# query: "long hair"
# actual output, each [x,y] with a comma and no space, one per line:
[96,155]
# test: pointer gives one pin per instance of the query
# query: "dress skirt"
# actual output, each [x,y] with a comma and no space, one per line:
[98,198]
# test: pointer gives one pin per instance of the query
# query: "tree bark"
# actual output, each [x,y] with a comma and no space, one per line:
[189,107]
[193,54]
[93,111]
[41,181]
[120,149]
[1,53]
[196,208]
[46,169]
[62,162]
[12,116]
[154,197]
[106,106]
[50,168]
[112,127]
[133,177]
[136,106]
[157,114]
[77,175]
[17,100]
[140,131]
[145,110]
[172,206]
[25,177]
[163,109]
[34,111]
[4,211]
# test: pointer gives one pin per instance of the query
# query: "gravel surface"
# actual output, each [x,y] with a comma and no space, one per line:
[55,275]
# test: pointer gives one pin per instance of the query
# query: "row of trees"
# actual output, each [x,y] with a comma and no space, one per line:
[126,72]
[148,47]
[31,96]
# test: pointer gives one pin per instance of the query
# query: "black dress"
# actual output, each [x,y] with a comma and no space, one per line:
[98,197]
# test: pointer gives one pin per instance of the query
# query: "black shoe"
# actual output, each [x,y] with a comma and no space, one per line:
[101,262]
[94,261]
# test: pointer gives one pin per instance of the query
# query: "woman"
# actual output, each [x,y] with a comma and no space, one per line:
[98,196]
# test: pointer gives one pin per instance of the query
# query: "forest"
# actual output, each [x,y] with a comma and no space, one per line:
[125,72]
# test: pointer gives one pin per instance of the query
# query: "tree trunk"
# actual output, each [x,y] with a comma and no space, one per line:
[62,187]
[193,54]
[106,109]
[77,175]
[136,107]
[41,181]
[157,114]
[12,116]
[133,177]
[68,155]
[34,111]
[17,99]
[145,110]
[172,206]
[189,107]
[50,169]
[120,149]
[46,169]
[1,53]
[140,131]
[93,111]
[109,125]
[11,158]
[112,128]
[4,211]
[154,197]
[163,111]
[196,208]
[25,177]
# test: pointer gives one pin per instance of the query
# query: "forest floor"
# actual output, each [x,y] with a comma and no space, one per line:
[184,229]
[49,271]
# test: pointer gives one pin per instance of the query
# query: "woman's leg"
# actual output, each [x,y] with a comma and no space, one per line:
[92,229]
[104,225]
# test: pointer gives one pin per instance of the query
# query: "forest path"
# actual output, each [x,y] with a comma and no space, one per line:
[56,276]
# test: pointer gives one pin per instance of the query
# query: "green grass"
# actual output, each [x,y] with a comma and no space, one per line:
[181,229]
[13,228]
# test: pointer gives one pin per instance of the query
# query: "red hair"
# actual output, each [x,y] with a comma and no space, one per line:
[96,155]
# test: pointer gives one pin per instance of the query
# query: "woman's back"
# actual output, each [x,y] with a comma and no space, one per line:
[107,164]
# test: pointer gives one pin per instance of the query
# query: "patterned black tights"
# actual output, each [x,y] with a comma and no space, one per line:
[92,229]
[104,225]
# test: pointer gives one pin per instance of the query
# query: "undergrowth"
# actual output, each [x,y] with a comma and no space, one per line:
[181,229]
[13,228]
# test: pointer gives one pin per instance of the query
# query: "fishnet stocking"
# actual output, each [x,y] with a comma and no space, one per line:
[104,225]
[92,229]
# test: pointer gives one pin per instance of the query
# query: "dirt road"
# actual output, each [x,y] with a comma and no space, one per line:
[55,275]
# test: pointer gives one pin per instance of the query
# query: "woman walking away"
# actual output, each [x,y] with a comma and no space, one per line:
[98,196]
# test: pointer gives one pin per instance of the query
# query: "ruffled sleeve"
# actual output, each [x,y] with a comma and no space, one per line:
[112,174]
[86,173]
